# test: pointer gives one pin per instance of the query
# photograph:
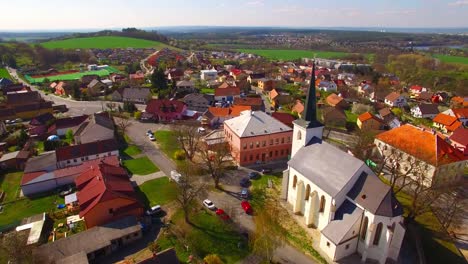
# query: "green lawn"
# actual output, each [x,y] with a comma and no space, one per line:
[159,191]
[207,91]
[140,166]
[10,184]
[208,235]
[451,59]
[5,74]
[351,117]
[167,142]
[294,54]
[72,76]
[132,150]
[16,211]
[105,42]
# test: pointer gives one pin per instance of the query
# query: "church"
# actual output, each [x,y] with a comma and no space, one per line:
[340,196]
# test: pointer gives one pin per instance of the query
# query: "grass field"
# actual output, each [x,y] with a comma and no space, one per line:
[105,42]
[294,54]
[167,142]
[140,166]
[72,76]
[5,74]
[451,59]
[10,184]
[159,191]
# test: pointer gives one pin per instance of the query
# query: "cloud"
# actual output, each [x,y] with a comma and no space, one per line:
[255,3]
[459,3]
[397,12]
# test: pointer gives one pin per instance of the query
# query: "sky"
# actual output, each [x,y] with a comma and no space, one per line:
[101,14]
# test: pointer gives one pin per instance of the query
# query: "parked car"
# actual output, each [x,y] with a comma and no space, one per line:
[175,176]
[222,214]
[149,132]
[154,210]
[66,192]
[247,207]
[254,175]
[245,193]
[266,170]
[244,182]
[151,137]
[209,204]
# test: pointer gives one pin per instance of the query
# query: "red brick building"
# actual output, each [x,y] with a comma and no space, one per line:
[255,137]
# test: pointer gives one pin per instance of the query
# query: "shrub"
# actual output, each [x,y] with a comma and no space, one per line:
[137,115]
[179,155]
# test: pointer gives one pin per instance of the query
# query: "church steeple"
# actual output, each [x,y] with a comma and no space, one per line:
[309,116]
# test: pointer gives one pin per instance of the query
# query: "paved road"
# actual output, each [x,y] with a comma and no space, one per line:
[137,133]
[265,100]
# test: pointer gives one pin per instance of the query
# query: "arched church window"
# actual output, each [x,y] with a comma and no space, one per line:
[322,204]
[307,194]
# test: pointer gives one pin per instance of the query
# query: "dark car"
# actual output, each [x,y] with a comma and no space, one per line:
[266,170]
[254,175]
[245,182]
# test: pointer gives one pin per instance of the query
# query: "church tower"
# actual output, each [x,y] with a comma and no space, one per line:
[307,127]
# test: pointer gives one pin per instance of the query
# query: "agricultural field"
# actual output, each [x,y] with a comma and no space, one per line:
[294,54]
[105,42]
[71,76]
[451,59]
[5,74]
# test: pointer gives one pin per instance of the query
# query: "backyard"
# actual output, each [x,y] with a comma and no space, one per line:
[167,142]
[159,191]
[5,74]
[140,166]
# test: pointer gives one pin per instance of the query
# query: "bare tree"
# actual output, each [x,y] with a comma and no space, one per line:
[123,122]
[451,210]
[112,106]
[188,138]
[215,159]
[189,188]
[364,144]
[269,234]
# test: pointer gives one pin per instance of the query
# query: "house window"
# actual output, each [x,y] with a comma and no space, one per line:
[245,158]
[245,145]
[258,156]
[257,144]
[135,234]
[271,154]
[378,233]
[251,157]
[264,143]
[111,210]
[289,139]
[282,140]
[271,142]
[74,160]
[82,159]
[347,246]
[282,152]
[364,228]
[68,161]
[277,141]
[307,194]
[322,204]
[251,145]
[328,244]
[294,181]
[276,153]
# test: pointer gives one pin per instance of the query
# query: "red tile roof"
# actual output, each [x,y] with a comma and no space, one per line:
[392,96]
[233,111]
[82,150]
[367,116]
[334,99]
[460,136]
[460,112]
[252,101]
[284,118]
[450,122]
[158,106]
[230,91]
[421,144]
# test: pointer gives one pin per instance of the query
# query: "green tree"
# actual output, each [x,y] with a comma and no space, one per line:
[212,259]
[158,80]
[22,138]
[69,136]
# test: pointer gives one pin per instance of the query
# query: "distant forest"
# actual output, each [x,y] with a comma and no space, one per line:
[126,32]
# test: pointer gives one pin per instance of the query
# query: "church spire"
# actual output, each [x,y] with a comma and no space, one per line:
[310,111]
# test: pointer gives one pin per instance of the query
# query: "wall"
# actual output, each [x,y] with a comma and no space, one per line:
[100,213]
[40,187]
[78,161]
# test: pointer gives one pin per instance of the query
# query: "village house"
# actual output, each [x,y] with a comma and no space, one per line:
[96,88]
[175,74]
[137,78]
[395,99]
[97,127]
[105,194]
[93,244]
[458,101]
[59,88]
[24,105]
[14,160]
[62,125]
[256,103]
[327,86]
[459,140]
[216,116]
[255,137]
[266,85]
[368,121]
[278,98]
[227,95]
[425,111]
[136,95]
[336,101]
[254,77]
[334,117]
[198,102]
[165,110]
[14,87]
[446,123]
[284,118]
[208,75]
[185,86]
[416,90]
[41,173]
[460,113]
[355,212]
[442,164]
[77,154]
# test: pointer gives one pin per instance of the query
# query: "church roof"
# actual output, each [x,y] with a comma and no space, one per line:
[345,217]
[325,165]
[375,196]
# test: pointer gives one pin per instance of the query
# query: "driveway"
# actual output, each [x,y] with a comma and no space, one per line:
[140,179]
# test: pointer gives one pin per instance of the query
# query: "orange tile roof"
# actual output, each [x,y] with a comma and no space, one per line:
[367,116]
[460,100]
[421,144]
[237,109]
[252,101]
[444,119]
[334,99]
[460,112]
[298,107]
[273,94]
[231,111]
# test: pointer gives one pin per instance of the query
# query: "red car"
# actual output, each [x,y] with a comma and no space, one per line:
[246,206]
[222,214]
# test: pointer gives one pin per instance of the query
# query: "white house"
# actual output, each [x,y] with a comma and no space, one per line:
[77,154]
[208,75]
[353,210]
[327,86]
[395,99]
[425,111]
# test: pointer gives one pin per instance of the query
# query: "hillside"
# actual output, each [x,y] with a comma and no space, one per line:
[104,42]
[293,54]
